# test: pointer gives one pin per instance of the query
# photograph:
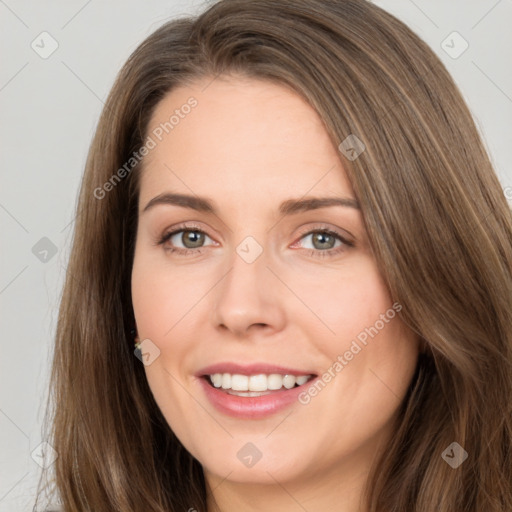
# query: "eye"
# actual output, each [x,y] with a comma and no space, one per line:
[323,242]
[191,237]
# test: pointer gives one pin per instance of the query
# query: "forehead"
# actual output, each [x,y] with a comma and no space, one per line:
[256,139]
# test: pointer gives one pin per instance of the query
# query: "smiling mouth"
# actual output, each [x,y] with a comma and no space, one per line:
[256,385]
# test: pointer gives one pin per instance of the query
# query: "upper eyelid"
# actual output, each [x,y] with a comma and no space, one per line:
[324,227]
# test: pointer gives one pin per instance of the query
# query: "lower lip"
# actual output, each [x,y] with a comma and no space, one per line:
[252,407]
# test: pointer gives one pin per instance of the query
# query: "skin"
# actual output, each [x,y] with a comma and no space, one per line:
[248,145]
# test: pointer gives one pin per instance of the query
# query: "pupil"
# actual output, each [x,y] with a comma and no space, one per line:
[322,239]
[193,237]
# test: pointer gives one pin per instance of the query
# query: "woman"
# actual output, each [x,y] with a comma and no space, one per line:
[288,209]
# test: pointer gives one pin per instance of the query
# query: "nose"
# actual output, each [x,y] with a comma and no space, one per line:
[249,299]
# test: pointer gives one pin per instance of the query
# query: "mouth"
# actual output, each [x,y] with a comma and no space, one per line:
[252,391]
[255,385]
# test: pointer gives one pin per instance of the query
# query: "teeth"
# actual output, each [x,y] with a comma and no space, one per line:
[302,379]
[256,383]
[274,381]
[226,381]
[240,382]
[289,381]
[248,393]
[216,379]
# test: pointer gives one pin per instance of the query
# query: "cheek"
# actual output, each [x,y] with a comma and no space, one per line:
[170,310]
[346,300]
[162,297]
[163,294]
[370,336]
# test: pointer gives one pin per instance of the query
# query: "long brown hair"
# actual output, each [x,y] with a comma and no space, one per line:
[436,217]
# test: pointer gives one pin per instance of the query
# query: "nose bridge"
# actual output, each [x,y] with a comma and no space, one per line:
[246,295]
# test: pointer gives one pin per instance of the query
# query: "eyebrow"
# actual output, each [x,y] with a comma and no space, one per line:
[288,207]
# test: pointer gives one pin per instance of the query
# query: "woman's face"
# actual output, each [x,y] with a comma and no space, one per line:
[259,282]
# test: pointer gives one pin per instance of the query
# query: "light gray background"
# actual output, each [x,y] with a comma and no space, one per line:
[49,109]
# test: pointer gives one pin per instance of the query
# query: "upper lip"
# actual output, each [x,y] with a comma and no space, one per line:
[250,369]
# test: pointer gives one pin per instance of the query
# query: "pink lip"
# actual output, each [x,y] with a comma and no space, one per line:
[251,369]
[254,407]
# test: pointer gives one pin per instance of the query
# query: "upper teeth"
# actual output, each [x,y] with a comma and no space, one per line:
[259,382]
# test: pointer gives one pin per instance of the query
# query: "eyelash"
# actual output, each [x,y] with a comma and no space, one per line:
[312,252]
